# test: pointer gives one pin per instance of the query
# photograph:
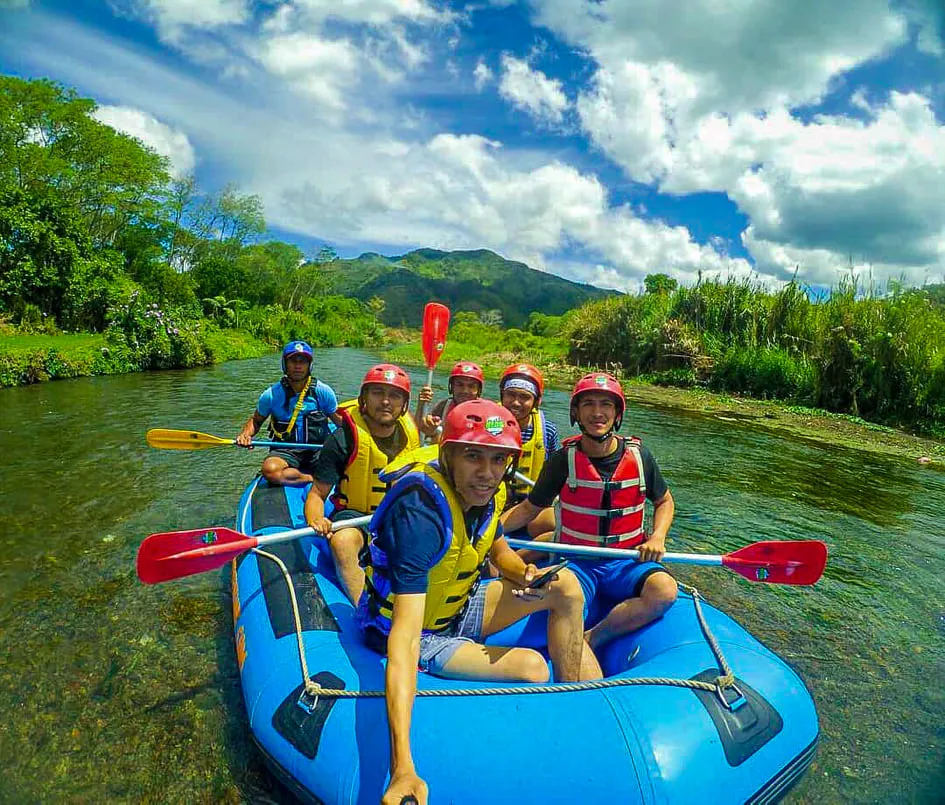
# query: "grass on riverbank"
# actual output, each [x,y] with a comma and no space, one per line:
[26,359]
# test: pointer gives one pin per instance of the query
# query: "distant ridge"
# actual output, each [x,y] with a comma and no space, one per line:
[475,281]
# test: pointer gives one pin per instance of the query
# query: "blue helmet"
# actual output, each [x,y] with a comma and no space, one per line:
[297,348]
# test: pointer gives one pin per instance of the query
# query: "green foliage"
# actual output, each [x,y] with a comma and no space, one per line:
[148,337]
[659,283]
[881,357]
[324,321]
[476,281]
[764,372]
[28,359]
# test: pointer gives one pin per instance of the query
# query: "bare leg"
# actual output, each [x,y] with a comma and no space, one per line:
[658,594]
[278,472]
[476,661]
[564,601]
[346,545]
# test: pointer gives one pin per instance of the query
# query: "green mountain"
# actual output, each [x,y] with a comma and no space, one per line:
[476,281]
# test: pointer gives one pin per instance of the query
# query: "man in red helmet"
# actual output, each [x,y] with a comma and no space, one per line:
[375,429]
[602,482]
[521,388]
[423,603]
[465,383]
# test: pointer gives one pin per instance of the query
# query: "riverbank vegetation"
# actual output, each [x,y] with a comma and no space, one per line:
[878,355]
[97,238]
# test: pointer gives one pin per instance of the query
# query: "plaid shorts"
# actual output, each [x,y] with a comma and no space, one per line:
[436,648]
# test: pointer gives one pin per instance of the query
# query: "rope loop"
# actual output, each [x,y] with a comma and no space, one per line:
[315,691]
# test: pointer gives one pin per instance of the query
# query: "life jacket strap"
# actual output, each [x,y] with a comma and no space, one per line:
[602,539]
[608,513]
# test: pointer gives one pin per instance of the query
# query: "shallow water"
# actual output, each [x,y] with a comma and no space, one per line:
[110,690]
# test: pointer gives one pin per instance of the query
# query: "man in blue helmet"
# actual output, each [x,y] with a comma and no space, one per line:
[299,408]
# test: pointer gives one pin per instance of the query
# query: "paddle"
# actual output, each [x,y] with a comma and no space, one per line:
[175,554]
[789,562]
[436,321]
[167,439]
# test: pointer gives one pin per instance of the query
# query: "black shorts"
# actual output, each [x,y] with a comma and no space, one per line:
[349,514]
[302,460]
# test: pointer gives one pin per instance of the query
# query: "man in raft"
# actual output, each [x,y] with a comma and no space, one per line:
[375,429]
[298,408]
[465,383]
[423,603]
[521,388]
[602,481]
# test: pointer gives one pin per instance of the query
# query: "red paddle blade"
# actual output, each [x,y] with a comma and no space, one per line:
[175,554]
[436,321]
[796,562]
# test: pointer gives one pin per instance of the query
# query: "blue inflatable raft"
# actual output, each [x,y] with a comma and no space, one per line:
[652,743]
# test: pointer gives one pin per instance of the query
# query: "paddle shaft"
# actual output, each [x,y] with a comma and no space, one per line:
[266,539]
[293,445]
[611,553]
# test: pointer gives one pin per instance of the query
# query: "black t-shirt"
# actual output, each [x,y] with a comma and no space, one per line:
[334,456]
[554,474]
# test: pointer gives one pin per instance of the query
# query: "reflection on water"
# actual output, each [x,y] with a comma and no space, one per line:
[110,690]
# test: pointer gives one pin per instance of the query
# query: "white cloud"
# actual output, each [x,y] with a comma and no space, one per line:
[322,68]
[742,56]
[482,75]
[168,142]
[371,12]
[532,90]
[691,113]
[172,17]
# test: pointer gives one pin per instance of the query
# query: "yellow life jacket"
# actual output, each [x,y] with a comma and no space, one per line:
[360,488]
[532,458]
[456,571]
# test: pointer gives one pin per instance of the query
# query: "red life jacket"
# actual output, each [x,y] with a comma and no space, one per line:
[582,518]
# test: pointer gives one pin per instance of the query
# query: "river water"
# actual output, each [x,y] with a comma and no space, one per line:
[114,691]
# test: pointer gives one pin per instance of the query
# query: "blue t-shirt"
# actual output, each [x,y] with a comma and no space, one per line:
[273,402]
[412,536]
[551,436]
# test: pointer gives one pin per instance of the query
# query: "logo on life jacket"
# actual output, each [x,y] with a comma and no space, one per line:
[494,425]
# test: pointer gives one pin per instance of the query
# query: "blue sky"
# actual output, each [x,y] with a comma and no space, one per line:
[596,139]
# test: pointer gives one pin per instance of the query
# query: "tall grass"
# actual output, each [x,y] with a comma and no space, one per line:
[878,356]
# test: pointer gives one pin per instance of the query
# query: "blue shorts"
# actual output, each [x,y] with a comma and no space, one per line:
[614,581]
[436,648]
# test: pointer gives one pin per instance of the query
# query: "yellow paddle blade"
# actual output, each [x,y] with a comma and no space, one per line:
[167,439]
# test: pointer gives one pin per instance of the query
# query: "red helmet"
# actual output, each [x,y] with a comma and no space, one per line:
[482,422]
[527,372]
[466,369]
[599,381]
[387,374]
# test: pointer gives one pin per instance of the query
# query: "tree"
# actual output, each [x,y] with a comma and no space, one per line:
[376,305]
[491,318]
[659,284]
